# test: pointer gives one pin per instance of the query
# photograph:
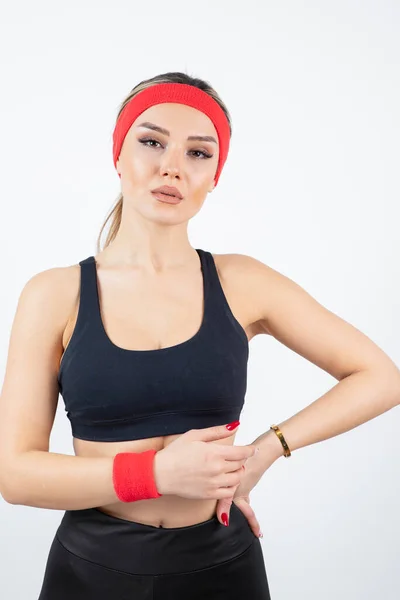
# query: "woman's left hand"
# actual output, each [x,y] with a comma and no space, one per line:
[256,465]
[241,498]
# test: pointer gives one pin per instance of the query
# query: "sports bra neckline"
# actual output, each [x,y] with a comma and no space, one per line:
[181,345]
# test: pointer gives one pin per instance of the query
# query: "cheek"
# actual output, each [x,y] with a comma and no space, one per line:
[139,167]
[204,184]
[198,197]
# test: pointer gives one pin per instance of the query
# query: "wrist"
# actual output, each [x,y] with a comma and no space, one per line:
[159,474]
[270,446]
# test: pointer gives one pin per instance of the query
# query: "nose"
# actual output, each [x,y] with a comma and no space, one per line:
[172,171]
[170,164]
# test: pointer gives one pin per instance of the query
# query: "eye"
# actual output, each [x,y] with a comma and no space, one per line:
[145,140]
[204,154]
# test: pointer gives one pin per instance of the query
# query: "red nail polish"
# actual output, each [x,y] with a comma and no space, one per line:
[225,519]
[233,425]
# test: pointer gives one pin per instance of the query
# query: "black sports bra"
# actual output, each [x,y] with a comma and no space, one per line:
[114,394]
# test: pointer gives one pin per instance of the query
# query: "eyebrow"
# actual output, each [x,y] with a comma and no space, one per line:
[199,138]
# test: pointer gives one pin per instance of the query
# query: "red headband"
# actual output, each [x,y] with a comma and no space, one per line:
[180,93]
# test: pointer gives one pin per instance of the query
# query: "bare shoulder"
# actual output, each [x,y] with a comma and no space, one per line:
[240,264]
[52,288]
[241,276]
[50,296]
[285,310]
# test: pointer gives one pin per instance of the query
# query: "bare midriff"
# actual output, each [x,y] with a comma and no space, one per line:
[167,510]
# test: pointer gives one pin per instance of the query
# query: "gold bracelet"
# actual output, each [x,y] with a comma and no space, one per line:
[278,432]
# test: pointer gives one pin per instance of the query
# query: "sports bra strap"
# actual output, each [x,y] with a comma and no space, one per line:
[88,295]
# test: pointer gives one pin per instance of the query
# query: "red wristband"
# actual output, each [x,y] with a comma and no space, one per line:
[133,476]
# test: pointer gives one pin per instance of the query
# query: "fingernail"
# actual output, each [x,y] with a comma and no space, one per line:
[233,425]
[225,519]
[260,535]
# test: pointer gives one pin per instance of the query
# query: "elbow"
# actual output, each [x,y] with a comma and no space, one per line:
[8,497]
[8,494]
[10,487]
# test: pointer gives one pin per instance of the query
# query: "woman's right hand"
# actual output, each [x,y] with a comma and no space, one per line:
[191,468]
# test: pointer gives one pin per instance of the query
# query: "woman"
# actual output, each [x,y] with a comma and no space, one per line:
[147,342]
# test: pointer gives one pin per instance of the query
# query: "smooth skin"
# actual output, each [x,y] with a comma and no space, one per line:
[150,287]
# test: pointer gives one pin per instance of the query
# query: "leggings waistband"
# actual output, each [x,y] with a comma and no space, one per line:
[142,549]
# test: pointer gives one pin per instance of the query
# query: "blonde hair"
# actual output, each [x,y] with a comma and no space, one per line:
[173,77]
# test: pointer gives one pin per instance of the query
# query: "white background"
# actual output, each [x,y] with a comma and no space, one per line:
[311,188]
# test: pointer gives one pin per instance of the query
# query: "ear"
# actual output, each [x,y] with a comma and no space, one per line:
[118,169]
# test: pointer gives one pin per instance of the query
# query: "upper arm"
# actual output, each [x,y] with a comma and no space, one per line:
[283,309]
[29,395]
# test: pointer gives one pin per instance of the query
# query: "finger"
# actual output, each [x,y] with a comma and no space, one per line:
[234,465]
[249,514]
[237,452]
[230,479]
[223,508]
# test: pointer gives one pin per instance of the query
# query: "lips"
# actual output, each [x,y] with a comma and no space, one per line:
[169,191]
[166,198]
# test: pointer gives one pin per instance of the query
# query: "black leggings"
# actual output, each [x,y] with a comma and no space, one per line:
[95,556]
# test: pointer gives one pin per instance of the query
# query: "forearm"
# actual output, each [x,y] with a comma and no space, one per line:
[58,481]
[352,401]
